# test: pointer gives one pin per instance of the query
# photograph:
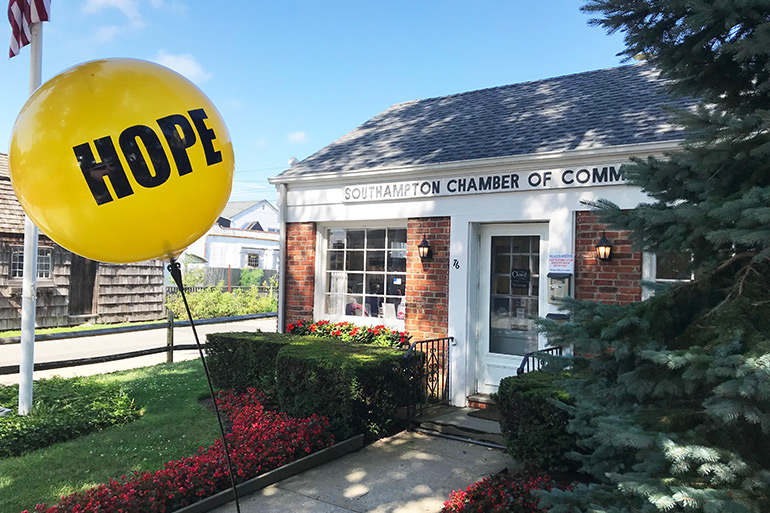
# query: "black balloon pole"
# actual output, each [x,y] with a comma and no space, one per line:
[176,273]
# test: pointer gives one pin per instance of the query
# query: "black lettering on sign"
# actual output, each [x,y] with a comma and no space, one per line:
[95,172]
[129,144]
[140,144]
[520,278]
[207,135]
[178,143]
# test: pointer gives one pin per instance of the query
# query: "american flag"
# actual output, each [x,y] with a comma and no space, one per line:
[22,14]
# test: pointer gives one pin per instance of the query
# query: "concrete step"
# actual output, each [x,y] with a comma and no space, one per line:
[453,421]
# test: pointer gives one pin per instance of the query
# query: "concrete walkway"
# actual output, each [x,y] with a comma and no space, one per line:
[406,473]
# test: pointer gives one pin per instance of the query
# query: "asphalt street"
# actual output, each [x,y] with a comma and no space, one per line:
[99,345]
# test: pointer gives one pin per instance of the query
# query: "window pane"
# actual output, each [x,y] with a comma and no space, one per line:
[395,284]
[337,282]
[336,239]
[355,239]
[502,264]
[354,305]
[672,266]
[502,285]
[375,260]
[521,244]
[355,261]
[500,313]
[335,261]
[375,284]
[397,238]
[375,239]
[373,306]
[501,245]
[521,262]
[17,262]
[44,263]
[335,304]
[355,283]
[397,261]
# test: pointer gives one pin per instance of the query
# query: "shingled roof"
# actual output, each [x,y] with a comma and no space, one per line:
[11,214]
[610,107]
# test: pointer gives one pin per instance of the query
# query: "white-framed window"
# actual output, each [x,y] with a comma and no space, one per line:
[252,260]
[44,262]
[665,268]
[365,272]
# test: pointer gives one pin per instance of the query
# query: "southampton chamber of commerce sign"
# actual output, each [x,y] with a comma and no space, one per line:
[484,184]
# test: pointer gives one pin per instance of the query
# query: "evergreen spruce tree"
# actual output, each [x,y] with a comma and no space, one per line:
[673,401]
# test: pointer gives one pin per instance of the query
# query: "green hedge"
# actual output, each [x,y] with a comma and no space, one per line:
[242,360]
[358,388]
[63,409]
[534,429]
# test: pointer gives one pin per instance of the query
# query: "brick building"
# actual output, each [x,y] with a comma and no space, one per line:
[495,183]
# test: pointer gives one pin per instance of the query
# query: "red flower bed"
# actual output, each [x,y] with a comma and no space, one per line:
[261,440]
[373,335]
[508,493]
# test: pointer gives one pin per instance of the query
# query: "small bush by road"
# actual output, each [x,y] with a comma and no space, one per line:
[214,302]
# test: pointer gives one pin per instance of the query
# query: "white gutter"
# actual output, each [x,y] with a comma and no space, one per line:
[526,161]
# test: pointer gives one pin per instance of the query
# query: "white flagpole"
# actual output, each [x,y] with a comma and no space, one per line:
[29,278]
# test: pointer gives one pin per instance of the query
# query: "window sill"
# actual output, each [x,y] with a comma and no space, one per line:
[17,284]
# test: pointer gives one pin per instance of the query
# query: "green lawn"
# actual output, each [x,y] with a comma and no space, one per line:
[173,425]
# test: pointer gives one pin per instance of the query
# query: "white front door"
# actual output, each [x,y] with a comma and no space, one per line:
[512,265]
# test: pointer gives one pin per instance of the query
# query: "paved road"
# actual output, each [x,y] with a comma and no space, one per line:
[99,345]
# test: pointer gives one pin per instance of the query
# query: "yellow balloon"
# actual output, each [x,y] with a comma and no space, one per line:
[121,160]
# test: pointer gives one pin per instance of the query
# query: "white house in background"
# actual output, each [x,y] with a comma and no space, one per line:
[245,236]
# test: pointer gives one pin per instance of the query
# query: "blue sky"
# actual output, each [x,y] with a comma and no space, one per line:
[291,76]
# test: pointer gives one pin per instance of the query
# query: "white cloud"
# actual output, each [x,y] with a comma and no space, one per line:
[108,33]
[183,63]
[127,7]
[297,137]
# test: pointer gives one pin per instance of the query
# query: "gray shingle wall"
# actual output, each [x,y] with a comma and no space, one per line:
[611,107]
[11,214]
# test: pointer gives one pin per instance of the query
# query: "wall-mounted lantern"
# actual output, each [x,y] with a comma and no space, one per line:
[603,248]
[423,249]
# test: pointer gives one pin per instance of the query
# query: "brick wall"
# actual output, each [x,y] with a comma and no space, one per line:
[299,290]
[427,287]
[614,281]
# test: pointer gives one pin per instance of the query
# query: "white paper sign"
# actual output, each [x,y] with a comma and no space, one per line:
[561,264]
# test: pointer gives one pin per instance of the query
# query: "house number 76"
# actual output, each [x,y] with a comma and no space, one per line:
[455,263]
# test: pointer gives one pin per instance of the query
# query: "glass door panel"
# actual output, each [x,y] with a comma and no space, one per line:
[513,300]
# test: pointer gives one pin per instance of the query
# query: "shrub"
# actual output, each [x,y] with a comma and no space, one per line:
[251,277]
[260,441]
[358,387]
[215,302]
[241,360]
[347,332]
[534,428]
[63,409]
[503,492]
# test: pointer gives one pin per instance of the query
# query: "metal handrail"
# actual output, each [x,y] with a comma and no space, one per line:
[538,363]
[430,383]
